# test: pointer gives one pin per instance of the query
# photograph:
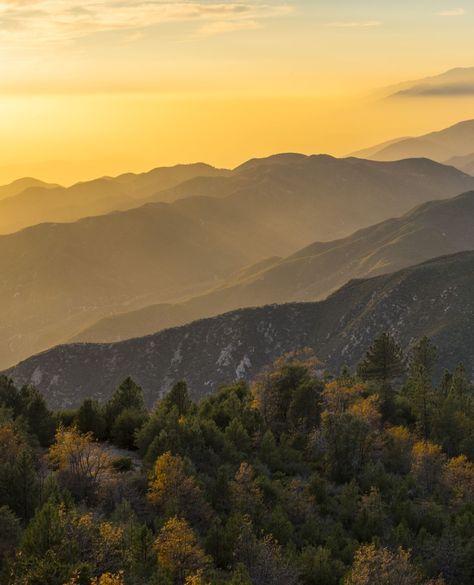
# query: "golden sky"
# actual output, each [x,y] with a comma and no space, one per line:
[89,87]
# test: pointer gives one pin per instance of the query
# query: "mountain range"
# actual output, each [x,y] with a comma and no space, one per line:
[57,279]
[434,229]
[453,145]
[32,202]
[433,298]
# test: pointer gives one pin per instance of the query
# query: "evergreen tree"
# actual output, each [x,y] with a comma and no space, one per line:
[90,419]
[178,396]
[127,396]
[383,361]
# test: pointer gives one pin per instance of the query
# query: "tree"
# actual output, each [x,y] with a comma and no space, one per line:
[179,551]
[288,394]
[383,361]
[458,477]
[125,427]
[178,396]
[264,560]
[81,462]
[9,534]
[246,495]
[90,419]
[428,461]
[380,566]
[420,390]
[44,532]
[40,419]
[127,396]
[174,491]
[424,355]
[422,398]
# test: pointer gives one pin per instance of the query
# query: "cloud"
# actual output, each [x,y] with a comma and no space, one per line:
[355,24]
[227,26]
[45,22]
[452,12]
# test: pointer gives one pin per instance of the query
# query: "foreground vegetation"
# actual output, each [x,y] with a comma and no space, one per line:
[301,478]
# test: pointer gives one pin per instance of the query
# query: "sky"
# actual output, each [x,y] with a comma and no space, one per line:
[91,87]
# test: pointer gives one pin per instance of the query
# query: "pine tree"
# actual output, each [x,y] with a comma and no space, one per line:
[383,361]
[179,396]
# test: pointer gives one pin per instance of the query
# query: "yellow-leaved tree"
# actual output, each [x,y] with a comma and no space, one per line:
[179,551]
[81,462]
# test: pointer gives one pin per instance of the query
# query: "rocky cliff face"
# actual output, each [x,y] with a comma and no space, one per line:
[434,299]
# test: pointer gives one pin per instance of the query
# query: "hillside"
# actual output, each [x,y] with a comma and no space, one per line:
[58,279]
[308,198]
[441,146]
[33,202]
[434,299]
[21,185]
[463,163]
[436,228]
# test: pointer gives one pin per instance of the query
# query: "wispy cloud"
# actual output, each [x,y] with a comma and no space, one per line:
[355,24]
[227,26]
[451,12]
[40,22]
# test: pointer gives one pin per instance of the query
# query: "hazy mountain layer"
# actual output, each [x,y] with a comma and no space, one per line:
[434,299]
[463,163]
[38,203]
[20,185]
[458,82]
[455,141]
[434,229]
[58,279]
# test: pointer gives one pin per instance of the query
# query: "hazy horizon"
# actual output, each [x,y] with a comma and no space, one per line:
[102,87]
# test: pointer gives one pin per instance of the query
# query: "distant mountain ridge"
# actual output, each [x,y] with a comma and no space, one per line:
[20,185]
[457,82]
[433,229]
[444,146]
[434,298]
[38,202]
[58,279]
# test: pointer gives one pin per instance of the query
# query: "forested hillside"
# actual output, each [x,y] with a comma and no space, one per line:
[301,478]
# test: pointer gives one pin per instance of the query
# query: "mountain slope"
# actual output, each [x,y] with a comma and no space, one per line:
[463,163]
[458,82]
[38,204]
[434,229]
[20,185]
[58,279]
[434,299]
[304,198]
[443,145]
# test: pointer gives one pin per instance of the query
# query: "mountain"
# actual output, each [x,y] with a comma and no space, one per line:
[58,279]
[433,229]
[463,163]
[434,298]
[20,185]
[306,198]
[38,203]
[441,146]
[458,82]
